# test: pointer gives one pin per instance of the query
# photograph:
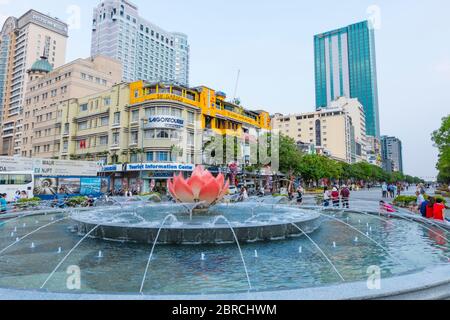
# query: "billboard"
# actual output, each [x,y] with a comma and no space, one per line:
[45,186]
[48,167]
[90,186]
[69,186]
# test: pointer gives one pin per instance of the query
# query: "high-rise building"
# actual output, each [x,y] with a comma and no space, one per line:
[22,41]
[337,131]
[391,153]
[146,51]
[345,65]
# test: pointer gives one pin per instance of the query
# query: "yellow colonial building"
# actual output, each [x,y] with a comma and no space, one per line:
[144,132]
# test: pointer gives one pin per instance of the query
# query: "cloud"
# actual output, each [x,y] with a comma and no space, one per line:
[4,2]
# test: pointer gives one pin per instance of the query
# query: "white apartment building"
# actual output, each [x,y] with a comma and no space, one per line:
[22,42]
[146,51]
[337,131]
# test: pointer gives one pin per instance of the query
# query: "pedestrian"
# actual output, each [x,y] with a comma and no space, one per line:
[420,199]
[335,196]
[300,194]
[243,194]
[438,210]
[345,195]
[424,206]
[384,190]
[3,203]
[326,197]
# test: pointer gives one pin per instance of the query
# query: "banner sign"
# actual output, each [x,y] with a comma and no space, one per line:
[165,122]
[48,167]
[160,167]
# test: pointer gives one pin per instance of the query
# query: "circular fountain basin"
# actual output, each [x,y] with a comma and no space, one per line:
[412,256]
[173,224]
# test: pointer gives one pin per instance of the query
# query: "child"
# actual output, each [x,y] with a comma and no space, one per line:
[386,207]
[430,208]
[438,210]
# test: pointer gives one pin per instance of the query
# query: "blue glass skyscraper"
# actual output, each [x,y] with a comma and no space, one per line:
[345,65]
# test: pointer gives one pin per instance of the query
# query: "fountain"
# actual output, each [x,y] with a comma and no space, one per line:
[196,212]
[202,246]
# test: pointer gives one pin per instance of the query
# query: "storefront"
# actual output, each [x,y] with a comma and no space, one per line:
[144,177]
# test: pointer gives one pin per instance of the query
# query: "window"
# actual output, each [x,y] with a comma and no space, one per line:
[163,156]
[135,116]
[190,117]
[162,134]
[150,157]
[134,137]
[190,138]
[133,158]
[176,112]
[150,112]
[82,125]
[116,118]
[104,121]
[107,101]
[83,107]
[115,138]
[103,140]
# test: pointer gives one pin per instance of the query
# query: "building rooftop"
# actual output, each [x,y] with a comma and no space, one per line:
[41,65]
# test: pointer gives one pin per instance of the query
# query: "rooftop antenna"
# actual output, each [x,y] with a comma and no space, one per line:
[237,83]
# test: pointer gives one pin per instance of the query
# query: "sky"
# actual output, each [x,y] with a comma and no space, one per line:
[271,43]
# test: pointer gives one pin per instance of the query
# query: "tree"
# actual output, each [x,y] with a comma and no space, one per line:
[290,156]
[441,139]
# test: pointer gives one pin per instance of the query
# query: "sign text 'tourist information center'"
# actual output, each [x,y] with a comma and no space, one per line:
[149,167]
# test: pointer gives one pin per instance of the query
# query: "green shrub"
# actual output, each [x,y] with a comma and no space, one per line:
[405,201]
[75,201]
[35,199]
[279,195]
[28,203]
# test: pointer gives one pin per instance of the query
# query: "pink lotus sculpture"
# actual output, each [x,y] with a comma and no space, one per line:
[200,187]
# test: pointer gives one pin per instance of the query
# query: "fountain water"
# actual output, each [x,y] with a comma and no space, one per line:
[170,216]
[368,237]
[18,240]
[239,247]
[67,255]
[321,251]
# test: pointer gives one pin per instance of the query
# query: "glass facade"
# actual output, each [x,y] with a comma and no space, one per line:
[345,65]
[4,49]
